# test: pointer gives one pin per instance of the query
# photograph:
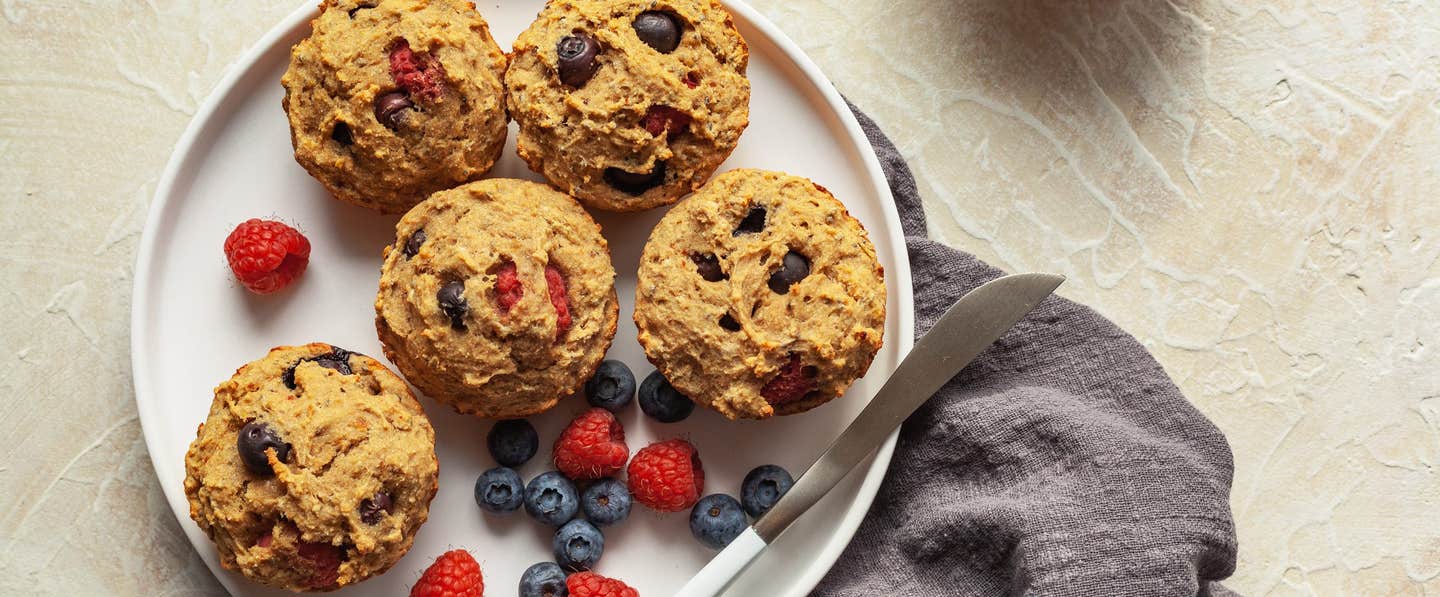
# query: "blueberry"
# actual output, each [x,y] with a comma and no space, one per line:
[708,266]
[337,359]
[499,490]
[254,438]
[728,323]
[635,183]
[612,387]
[577,62]
[658,30]
[545,579]
[513,442]
[578,545]
[754,222]
[606,502]
[391,108]
[762,487]
[551,499]
[662,401]
[342,135]
[716,520]
[412,244]
[372,507]
[452,301]
[793,269]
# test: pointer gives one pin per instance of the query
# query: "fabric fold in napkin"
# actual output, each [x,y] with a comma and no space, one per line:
[1063,461]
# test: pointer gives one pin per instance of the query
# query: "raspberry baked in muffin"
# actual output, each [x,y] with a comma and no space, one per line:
[629,104]
[760,295]
[313,470]
[391,100]
[497,298]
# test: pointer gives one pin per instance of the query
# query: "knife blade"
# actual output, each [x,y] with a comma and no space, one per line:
[966,329]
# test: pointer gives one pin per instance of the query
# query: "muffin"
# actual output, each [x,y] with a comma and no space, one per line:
[497,298]
[760,295]
[313,470]
[392,100]
[629,104]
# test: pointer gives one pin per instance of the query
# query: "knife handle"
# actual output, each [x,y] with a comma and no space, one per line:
[725,566]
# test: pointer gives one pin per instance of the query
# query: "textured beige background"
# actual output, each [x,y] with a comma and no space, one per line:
[1249,187]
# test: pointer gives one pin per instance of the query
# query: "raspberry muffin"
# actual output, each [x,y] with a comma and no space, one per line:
[760,295]
[629,104]
[391,100]
[314,469]
[497,298]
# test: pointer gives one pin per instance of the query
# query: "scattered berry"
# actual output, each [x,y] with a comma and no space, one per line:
[667,476]
[577,62]
[266,255]
[662,401]
[716,520]
[794,267]
[589,584]
[792,383]
[578,545]
[606,502]
[254,443]
[762,487]
[551,499]
[545,579]
[592,446]
[658,30]
[513,442]
[612,387]
[499,490]
[454,574]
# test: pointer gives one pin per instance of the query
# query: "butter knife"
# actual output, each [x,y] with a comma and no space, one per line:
[966,329]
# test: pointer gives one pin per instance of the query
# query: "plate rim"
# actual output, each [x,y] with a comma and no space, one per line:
[160,205]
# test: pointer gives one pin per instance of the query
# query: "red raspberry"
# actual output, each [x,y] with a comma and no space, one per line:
[589,584]
[660,119]
[266,255]
[508,289]
[667,476]
[791,384]
[592,446]
[454,574]
[323,560]
[419,74]
[555,284]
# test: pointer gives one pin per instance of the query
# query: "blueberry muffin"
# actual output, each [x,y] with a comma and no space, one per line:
[314,469]
[497,298]
[760,295]
[391,100]
[629,104]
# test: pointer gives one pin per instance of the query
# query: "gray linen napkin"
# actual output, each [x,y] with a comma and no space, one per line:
[1063,461]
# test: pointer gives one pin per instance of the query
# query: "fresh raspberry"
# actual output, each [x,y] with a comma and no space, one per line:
[324,562]
[667,476]
[266,255]
[660,119]
[555,284]
[592,446]
[589,584]
[791,384]
[419,74]
[454,574]
[508,289]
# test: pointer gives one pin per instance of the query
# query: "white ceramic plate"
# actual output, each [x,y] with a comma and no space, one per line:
[192,325]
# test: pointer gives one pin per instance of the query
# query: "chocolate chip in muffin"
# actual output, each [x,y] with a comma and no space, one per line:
[372,507]
[412,244]
[708,266]
[254,438]
[391,108]
[635,183]
[729,323]
[794,268]
[577,59]
[754,222]
[452,301]
[659,30]
[342,135]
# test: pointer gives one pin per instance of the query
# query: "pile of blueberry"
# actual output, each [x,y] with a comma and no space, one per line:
[555,500]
